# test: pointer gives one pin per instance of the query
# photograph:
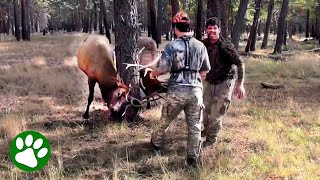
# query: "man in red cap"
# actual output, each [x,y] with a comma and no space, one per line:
[187,60]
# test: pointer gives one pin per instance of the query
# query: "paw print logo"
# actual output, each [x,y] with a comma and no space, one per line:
[30,151]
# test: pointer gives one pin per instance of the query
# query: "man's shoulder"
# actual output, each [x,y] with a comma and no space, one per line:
[197,43]
[226,44]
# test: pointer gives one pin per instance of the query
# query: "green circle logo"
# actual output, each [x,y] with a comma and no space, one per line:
[30,151]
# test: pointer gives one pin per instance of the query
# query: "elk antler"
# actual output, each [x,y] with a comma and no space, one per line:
[142,101]
[146,67]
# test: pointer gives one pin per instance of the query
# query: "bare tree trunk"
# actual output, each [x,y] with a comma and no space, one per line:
[95,11]
[199,20]
[11,13]
[307,23]
[253,32]
[214,9]
[259,28]
[161,11]
[231,15]
[238,26]
[281,23]
[319,21]
[224,17]
[8,10]
[101,31]
[317,24]
[152,12]
[268,24]
[125,14]
[105,22]
[31,17]
[25,20]
[313,29]
[175,7]
[77,21]
[274,22]
[285,33]
[167,23]
[290,29]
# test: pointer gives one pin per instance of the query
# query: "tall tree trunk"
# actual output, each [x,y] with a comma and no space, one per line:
[105,22]
[8,10]
[268,24]
[95,12]
[199,20]
[317,24]
[274,23]
[231,15]
[280,33]
[290,29]
[126,18]
[175,7]
[214,9]
[238,26]
[77,21]
[285,33]
[319,21]
[148,18]
[152,13]
[312,29]
[160,22]
[259,28]
[224,17]
[307,23]
[25,20]
[253,32]
[12,18]
[166,19]
[101,31]
[31,15]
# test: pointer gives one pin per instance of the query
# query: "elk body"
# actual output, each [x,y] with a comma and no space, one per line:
[96,60]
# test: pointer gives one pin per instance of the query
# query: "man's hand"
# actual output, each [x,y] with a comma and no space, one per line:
[239,91]
[203,75]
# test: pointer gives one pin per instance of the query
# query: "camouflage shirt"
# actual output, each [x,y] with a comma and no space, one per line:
[184,73]
[225,62]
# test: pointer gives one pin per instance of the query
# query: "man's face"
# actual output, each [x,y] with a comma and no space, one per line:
[213,32]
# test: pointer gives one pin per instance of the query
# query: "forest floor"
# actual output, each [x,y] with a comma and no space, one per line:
[272,134]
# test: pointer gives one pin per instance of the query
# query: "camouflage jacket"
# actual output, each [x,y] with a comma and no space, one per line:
[184,73]
[225,62]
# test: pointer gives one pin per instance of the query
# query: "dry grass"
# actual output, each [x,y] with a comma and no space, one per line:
[273,134]
[11,125]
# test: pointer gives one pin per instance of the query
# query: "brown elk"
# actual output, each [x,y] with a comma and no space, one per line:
[96,60]
[148,58]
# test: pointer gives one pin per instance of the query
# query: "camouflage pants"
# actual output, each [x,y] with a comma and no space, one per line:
[217,99]
[192,104]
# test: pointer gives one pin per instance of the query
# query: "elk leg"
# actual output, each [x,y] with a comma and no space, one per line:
[91,84]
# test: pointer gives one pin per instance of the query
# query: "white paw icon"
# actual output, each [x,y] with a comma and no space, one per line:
[28,157]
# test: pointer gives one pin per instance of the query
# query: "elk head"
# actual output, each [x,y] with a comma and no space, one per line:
[119,95]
